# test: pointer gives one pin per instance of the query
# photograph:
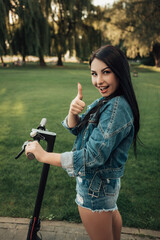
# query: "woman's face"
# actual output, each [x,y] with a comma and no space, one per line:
[103,78]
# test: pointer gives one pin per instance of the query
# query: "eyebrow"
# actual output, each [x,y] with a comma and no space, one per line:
[101,70]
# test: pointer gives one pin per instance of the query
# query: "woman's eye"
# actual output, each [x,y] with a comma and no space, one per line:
[106,72]
[93,74]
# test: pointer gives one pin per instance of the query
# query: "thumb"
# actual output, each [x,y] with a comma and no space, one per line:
[80,95]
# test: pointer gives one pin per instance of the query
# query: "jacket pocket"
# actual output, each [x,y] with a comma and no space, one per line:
[95,186]
[111,186]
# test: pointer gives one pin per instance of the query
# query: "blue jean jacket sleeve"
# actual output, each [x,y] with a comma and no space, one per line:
[72,130]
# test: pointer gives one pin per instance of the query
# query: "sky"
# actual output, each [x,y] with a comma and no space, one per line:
[103,2]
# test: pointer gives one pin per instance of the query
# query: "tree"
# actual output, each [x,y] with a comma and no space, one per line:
[50,27]
[88,35]
[136,24]
[30,35]
[4,23]
[72,28]
[60,28]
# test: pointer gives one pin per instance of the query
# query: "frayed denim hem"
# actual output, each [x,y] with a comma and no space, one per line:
[98,210]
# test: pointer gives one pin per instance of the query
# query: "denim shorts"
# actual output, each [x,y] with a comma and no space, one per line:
[98,195]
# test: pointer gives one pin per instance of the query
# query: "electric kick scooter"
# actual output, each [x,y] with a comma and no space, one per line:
[39,134]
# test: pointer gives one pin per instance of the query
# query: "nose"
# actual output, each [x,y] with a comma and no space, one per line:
[100,80]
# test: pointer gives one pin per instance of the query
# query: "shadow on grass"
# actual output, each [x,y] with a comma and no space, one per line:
[35,65]
[73,65]
[143,68]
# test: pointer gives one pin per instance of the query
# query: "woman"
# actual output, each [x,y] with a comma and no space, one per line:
[104,133]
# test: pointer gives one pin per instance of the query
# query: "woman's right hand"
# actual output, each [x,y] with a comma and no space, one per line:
[76,107]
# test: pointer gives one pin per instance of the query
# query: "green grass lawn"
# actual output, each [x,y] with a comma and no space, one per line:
[30,93]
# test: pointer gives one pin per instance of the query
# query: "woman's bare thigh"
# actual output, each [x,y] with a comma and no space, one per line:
[97,224]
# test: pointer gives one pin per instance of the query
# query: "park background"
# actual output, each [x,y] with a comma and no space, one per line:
[44,49]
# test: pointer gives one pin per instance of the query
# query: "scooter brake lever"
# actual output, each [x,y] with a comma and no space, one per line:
[30,156]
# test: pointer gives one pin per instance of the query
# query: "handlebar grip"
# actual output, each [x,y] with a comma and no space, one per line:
[30,156]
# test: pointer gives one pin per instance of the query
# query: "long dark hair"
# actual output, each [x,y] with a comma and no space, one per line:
[115,59]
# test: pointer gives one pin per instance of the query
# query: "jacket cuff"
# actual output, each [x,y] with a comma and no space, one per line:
[67,163]
[72,130]
[79,162]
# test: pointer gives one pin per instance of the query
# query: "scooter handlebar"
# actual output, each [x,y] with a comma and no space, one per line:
[30,156]
[39,134]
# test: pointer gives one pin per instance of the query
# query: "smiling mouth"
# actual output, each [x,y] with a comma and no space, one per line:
[103,89]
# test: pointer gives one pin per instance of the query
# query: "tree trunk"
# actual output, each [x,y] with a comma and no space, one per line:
[41,59]
[24,58]
[42,62]
[2,60]
[3,63]
[59,62]
[157,62]
[156,53]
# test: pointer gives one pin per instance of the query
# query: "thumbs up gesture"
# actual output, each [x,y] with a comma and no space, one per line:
[77,105]
[80,95]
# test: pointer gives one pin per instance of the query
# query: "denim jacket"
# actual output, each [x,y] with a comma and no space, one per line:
[101,147]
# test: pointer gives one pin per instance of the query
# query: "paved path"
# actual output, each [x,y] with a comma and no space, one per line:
[17,228]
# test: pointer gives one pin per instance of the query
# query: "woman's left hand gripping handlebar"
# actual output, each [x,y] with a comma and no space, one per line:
[36,149]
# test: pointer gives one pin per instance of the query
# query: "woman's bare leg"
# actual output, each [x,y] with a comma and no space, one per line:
[97,224]
[116,225]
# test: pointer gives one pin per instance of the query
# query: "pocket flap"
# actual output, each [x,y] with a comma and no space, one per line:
[95,186]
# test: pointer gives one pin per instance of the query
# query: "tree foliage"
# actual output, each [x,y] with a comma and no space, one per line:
[48,27]
[53,27]
[71,28]
[136,23]
[30,34]
[4,25]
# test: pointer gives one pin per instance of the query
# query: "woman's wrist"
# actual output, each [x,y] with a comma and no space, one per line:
[43,156]
[72,120]
[51,158]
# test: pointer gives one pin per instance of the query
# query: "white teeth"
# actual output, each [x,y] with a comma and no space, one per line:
[103,88]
